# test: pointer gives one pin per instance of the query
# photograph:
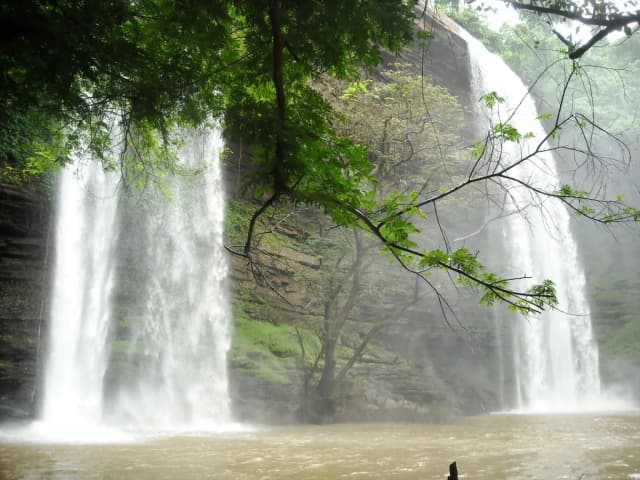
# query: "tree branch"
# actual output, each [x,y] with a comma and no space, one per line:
[616,20]
[607,23]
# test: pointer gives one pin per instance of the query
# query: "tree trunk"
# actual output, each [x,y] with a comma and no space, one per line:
[325,408]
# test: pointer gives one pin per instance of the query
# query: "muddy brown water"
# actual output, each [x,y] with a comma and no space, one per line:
[486,447]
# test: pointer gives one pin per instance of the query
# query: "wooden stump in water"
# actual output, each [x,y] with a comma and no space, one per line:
[453,472]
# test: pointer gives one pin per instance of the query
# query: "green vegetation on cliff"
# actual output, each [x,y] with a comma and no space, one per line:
[264,349]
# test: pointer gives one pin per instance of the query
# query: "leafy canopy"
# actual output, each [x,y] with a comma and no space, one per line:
[91,73]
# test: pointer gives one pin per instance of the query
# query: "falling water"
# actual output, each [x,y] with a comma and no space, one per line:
[555,357]
[80,310]
[166,368]
[173,372]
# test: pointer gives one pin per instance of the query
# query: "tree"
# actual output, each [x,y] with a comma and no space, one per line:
[599,91]
[156,65]
[406,144]
[411,128]
[350,292]
[605,17]
[82,70]
[390,221]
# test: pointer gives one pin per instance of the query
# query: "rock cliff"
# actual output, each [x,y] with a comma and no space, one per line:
[407,382]
[24,261]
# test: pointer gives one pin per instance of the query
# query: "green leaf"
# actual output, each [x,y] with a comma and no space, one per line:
[433,258]
[491,99]
[507,132]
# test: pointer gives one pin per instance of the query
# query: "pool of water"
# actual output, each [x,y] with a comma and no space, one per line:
[488,447]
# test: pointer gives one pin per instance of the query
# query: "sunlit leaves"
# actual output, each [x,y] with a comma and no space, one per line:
[466,261]
[492,100]
[354,88]
[506,132]
[30,144]
[581,196]
[585,205]
[540,296]
[471,273]
[490,295]
[567,190]
[626,214]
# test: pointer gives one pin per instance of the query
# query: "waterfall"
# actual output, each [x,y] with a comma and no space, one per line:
[555,358]
[80,305]
[158,362]
[173,372]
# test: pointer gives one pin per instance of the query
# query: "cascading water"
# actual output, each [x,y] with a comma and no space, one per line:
[168,369]
[174,366]
[80,310]
[555,356]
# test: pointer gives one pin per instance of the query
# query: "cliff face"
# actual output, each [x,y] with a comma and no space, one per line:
[405,381]
[24,225]
[443,58]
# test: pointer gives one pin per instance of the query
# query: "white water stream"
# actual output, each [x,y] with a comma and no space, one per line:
[80,310]
[174,373]
[172,365]
[554,354]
